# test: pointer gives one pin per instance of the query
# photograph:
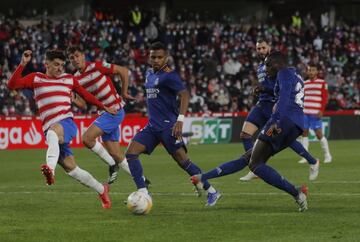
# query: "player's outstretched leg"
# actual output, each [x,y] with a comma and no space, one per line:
[262,151]
[314,163]
[89,140]
[192,169]
[87,179]
[136,171]
[53,136]
[225,168]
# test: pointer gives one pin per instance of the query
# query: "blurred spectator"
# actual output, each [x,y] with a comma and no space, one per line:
[216,59]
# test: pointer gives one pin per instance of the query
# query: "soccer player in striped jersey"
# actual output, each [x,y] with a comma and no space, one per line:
[316,98]
[94,77]
[53,93]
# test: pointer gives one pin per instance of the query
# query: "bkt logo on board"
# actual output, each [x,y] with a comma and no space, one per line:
[211,131]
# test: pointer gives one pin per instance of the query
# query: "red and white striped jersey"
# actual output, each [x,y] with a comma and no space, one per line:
[316,96]
[52,94]
[95,80]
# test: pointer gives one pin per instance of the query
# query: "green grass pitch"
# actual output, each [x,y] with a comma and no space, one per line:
[253,211]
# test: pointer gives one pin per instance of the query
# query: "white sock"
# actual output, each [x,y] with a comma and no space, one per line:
[305,143]
[87,179]
[102,153]
[144,190]
[211,189]
[125,166]
[325,146]
[53,151]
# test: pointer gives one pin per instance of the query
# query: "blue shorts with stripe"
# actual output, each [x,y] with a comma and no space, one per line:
[312,122]
[109,124]
[70,131]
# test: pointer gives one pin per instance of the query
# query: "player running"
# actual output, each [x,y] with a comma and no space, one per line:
[280,131]
[262,111]
[94,77]
[316,98]
[52,93]
[163,86]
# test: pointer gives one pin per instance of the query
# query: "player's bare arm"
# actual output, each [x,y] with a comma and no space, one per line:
[123,72]
[184,103]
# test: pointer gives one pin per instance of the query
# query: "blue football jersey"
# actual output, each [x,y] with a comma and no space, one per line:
[289,91]
[268,94]
[162,88]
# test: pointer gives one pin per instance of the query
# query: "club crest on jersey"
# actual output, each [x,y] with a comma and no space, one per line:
[156,81]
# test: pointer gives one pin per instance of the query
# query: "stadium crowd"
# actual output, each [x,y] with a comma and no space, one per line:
[216,59]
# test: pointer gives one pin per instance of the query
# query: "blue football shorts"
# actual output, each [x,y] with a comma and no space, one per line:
[151,138]
[70,131]
[312,122]
[260,113]
[109,124]
[289,133]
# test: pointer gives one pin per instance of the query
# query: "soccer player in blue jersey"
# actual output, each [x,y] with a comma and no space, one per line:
[163,86]
[262,111]
[280,131]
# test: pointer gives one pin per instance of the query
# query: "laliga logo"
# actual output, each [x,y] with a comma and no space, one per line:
[33,137]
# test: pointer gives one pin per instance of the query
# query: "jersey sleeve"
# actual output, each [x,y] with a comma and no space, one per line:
[104,67]
[285,87]
[16,81]
[175,83]
[324,96]
[88,97]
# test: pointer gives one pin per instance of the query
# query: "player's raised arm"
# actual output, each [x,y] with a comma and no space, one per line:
[16,81]
[123,72]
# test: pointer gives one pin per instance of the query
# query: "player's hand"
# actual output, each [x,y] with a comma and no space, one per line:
[177,130]
[111,110]
[128,97]
[273,130]
[257,89]
[320,114]
[26,57]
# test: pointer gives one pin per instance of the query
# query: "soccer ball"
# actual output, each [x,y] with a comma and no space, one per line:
[139,203]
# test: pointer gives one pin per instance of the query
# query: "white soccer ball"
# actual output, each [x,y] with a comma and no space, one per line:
[139,203]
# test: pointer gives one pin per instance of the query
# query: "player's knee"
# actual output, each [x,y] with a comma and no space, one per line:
[69,167]
[244,135]
[319,136]
[131,157]
[88,141]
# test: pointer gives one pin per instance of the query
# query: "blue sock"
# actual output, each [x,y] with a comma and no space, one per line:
[136,170]
[247,143]
[193,169]
[299,148]
[226,168]
[272,177]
